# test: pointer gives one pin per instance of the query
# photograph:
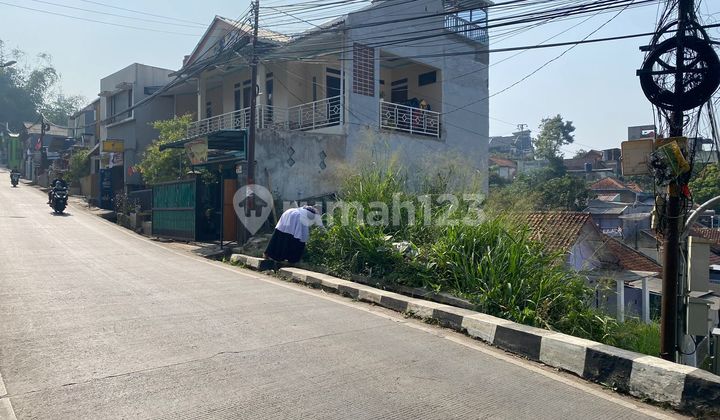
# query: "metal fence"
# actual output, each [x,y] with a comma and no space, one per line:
[409,119]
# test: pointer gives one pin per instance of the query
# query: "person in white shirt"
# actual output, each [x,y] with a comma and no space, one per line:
[292,233]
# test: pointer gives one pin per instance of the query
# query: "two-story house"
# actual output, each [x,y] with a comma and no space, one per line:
[119,93]
[418,85]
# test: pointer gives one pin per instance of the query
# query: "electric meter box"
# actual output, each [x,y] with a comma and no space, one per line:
[698,316]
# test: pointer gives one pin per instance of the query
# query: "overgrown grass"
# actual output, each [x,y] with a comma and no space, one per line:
[493,264]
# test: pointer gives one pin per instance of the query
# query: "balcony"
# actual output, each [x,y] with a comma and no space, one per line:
[410,120]
[304,117]
[460,26]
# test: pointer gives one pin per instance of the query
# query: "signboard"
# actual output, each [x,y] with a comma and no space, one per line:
[112,146]
[635,155]
[116,159]
[197,151]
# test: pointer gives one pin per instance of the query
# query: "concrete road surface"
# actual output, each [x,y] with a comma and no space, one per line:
[99,323]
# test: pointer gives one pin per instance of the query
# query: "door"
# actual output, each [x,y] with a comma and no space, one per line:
[228,215]
[333,92]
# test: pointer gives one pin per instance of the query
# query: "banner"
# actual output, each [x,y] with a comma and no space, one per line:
[112,146]
[197,151]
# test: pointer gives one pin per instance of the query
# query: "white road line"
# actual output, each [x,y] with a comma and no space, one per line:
[6,409]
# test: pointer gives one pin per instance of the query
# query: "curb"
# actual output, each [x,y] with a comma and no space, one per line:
[683,387]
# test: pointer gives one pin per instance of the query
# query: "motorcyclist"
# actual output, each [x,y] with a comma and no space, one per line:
[56,183]
[13,173]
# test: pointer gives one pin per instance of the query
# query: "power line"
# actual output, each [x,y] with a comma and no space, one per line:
[96,21]
[116,15]
[142,13]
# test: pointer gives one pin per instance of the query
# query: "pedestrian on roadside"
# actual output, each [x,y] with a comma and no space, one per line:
[292,233]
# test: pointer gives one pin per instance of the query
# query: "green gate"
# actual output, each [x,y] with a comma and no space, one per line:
[174,210]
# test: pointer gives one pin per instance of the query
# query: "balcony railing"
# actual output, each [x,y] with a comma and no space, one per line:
[305,117]
[460,26]
[409,119]
[236,120]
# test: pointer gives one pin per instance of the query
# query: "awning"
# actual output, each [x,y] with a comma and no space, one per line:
[227,140]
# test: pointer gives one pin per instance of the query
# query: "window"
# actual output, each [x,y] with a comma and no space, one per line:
[427,78]
[399,92]
[363,70]
[208,109]
[118,103]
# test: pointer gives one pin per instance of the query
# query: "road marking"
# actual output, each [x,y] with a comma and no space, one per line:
[452,336]
[6,409]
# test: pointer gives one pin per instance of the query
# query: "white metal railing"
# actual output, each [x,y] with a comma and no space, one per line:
[235,120]
[409,119]
[474,31]
[314,115]
[309,116]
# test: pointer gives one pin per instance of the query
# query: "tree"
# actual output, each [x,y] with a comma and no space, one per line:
[541,190]
[554,134]
[167,165]
[79,166]
[580,153]
[27,90]
[707,184]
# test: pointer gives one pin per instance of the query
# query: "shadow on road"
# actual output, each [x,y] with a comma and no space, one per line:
[64,214]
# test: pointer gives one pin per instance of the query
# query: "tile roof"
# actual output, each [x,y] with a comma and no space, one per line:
[613,184]
[628,258]
[707,233]
[559,231]
[502,162]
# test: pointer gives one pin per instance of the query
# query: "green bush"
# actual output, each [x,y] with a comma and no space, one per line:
[79,166]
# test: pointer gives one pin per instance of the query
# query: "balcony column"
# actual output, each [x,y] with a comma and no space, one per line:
[201,92]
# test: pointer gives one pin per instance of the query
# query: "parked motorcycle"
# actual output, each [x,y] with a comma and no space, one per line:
[14,178]
[59,198]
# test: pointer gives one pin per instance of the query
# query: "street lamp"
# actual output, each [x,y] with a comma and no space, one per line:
[8,64]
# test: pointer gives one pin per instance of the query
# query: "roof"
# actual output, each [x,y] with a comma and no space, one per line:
[502,162]
[602,210]
[558,231]
[613,184]
[707,233]
[628,258]
[230,25]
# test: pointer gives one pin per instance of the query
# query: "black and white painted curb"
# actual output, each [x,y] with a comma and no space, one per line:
[651,378]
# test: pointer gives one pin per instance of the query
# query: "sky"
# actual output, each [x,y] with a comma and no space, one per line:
[593,85]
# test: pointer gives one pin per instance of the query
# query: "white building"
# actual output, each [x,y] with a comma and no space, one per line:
[412,76]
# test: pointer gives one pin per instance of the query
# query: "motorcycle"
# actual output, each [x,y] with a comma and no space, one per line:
[58,202]
[14,178]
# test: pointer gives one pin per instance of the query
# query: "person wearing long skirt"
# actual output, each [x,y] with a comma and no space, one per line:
[292,233]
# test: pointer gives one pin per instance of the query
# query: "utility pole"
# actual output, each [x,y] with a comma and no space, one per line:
[671,238]
[252,134]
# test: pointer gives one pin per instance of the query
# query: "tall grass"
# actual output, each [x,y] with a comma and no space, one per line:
[494,264]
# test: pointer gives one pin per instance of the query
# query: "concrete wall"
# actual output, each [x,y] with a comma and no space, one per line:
[305,177]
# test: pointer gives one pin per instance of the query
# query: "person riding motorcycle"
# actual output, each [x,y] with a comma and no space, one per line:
[14,173]
[56,183]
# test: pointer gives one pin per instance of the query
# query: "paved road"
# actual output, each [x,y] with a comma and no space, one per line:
[98,323]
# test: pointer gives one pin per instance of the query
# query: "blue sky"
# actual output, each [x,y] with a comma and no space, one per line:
[593,85]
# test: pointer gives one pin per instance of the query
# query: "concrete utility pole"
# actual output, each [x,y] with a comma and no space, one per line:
[252,134]
[671,240]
